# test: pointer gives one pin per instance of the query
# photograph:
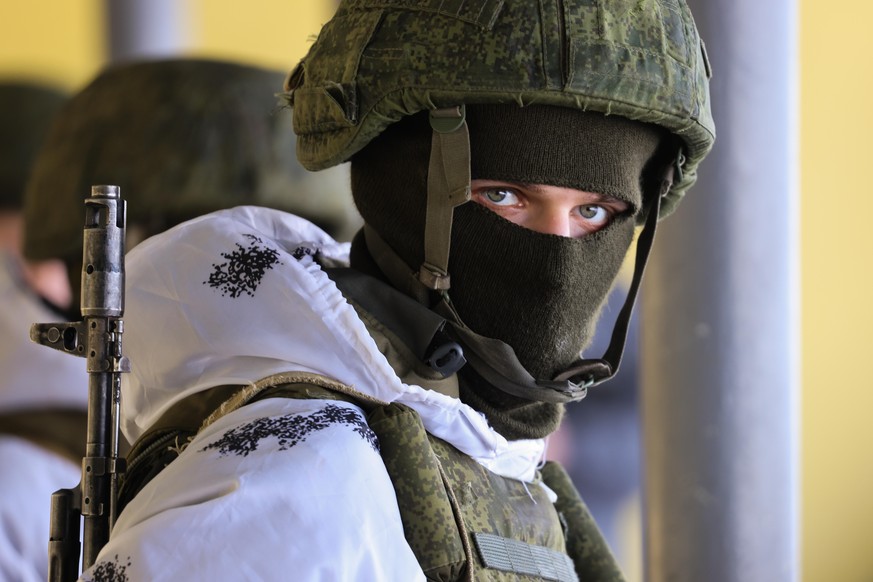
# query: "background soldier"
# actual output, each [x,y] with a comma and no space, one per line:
[181,137]
[42,394]
[387,421]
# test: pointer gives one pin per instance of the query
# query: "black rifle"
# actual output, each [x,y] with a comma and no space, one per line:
[98,339]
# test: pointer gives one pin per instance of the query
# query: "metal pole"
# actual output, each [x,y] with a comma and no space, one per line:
[138,29]
[720,384]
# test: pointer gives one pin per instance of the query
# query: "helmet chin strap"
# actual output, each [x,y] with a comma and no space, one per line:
[592,372]
[494,360]
[448,185]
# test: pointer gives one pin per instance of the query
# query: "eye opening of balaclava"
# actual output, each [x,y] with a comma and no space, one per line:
[539,294]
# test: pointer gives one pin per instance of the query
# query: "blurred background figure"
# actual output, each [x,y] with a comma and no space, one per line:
[181,137]
[42,394]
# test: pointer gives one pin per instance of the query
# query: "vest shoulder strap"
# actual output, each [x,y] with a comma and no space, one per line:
[585,544]
[61,431]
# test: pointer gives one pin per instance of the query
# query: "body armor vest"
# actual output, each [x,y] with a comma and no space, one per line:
[462,521]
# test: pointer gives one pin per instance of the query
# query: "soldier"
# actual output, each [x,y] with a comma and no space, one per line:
[39,409]
[181,137]
[303,414]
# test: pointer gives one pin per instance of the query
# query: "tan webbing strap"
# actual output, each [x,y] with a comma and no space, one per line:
[448,185]
[250,392]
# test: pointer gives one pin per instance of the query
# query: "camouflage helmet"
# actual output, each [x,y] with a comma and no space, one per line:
[377,61]
[26,111]
[181,137]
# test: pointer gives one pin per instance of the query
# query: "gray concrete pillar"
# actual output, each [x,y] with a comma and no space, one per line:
[720,347]
[138,29]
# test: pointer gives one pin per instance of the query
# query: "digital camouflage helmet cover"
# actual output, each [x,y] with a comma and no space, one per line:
[377,61]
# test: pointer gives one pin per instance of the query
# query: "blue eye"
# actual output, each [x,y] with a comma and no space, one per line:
[500,196]
[594,213]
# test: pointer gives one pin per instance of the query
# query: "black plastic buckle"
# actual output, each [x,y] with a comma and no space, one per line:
[445,356]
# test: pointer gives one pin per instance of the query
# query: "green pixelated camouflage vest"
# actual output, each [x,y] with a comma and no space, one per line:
[464,522]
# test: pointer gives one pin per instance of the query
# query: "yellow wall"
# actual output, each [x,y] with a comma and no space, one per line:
[61,39]
[268,33]
[836,206]
[56,40]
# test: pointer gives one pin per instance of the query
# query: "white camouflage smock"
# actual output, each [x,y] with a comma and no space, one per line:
[280,489]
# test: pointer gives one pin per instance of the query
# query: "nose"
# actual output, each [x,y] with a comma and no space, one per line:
[551,219]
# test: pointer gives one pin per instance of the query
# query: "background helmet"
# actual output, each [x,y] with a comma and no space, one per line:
[181,138]
[26,111]
[376,62]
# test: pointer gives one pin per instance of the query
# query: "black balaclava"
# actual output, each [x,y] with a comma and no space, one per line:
[538,293]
